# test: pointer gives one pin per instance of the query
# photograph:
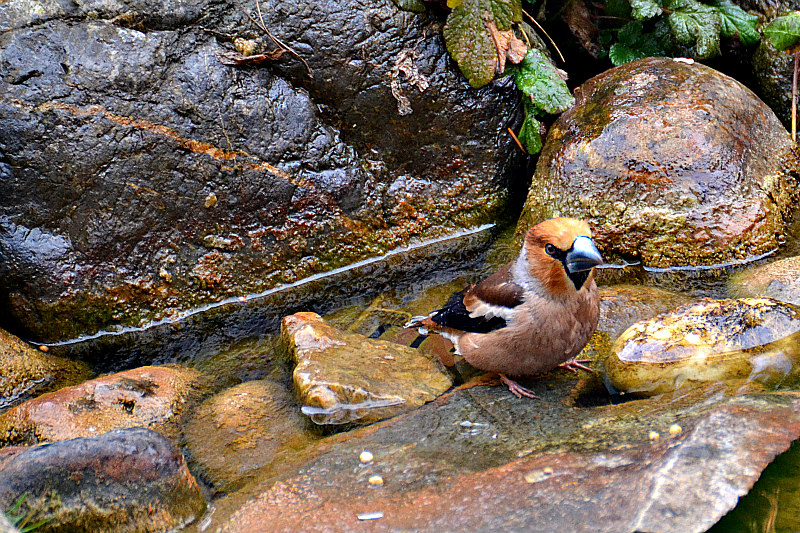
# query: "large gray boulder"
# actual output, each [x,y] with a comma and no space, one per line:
[140,175]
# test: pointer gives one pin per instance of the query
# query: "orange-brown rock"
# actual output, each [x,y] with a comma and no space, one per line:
[154,397]
[344,377]
[673,164]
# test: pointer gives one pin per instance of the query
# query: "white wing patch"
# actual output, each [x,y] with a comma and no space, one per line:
[489,311]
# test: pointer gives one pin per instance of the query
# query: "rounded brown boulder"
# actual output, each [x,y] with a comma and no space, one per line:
[671,163]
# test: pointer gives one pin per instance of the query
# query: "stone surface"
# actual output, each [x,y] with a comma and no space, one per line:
[479,459]
[130,480]
[671,164]
[26,372]
[152,397]
[243,429]
[779,279]
[343,377]
[707,341]
[140,176]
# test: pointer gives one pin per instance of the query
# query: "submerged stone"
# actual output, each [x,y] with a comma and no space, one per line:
[131,480]
[26,372]
[343,377]
[707,341]
[671,164]
[623,305]
[242,429]
[152,397]
[779,279]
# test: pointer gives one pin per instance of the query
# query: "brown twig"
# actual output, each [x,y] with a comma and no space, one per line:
[516,140]
[794,95]
[280,44]
[546,34]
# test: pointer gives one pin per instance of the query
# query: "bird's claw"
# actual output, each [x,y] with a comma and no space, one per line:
[516,389]
[573,365]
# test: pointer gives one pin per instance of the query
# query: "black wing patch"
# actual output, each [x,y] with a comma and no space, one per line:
[455,315]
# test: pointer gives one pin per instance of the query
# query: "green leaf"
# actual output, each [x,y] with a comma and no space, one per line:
[415,6]
[784,32]
[538,78]
[645,9]
[468,40]
[693,23]
[530,134]
[737,21]
[633,44]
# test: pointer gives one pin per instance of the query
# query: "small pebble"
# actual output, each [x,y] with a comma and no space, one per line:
[376,480]
[44,348]
[653,435]
[365,456]
[547,470]
[211,200]
[674,429]
[369,516]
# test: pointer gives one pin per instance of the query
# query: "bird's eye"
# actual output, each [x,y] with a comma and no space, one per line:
[550,250]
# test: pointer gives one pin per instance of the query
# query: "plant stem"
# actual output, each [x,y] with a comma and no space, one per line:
[794,95]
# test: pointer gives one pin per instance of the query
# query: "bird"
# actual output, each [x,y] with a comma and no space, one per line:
[532,315]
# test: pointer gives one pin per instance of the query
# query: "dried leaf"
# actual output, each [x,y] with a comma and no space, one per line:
[506,43]
[235,59]
[405,64]
[470,42]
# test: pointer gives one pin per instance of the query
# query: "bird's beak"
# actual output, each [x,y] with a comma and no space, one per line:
[583,255]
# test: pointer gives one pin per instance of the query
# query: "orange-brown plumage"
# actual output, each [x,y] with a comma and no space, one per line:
[533,314]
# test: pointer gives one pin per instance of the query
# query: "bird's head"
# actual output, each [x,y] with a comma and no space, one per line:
[561,254]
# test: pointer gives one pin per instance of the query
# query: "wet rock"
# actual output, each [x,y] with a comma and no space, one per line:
[343,377]
[478,459]
[779,280]
[26,372]
[152,397]
[141,177]
[623,305]
[125,480]
[243,429]
[671,164]
[707,341]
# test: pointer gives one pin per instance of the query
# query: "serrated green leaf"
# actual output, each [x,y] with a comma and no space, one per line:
[415,6]
[633,44]
[619,54]
[645,9]
[693,23]
[784,32]
[468,40]
[530,133]
[737,21]
[538,78]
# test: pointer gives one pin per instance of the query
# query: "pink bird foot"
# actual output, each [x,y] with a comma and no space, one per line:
[516,389]
[573,365]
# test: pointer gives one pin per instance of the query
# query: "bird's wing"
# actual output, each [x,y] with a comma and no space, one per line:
[484,307]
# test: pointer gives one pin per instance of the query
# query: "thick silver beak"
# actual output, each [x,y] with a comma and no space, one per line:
[583,255]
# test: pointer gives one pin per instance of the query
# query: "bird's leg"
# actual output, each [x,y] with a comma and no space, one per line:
[574,364]
[516,389]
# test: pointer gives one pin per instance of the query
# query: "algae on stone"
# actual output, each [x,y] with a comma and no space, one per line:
[708,341]
[26,372]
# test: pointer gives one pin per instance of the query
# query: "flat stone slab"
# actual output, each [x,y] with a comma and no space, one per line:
[344,377]
[478,459]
